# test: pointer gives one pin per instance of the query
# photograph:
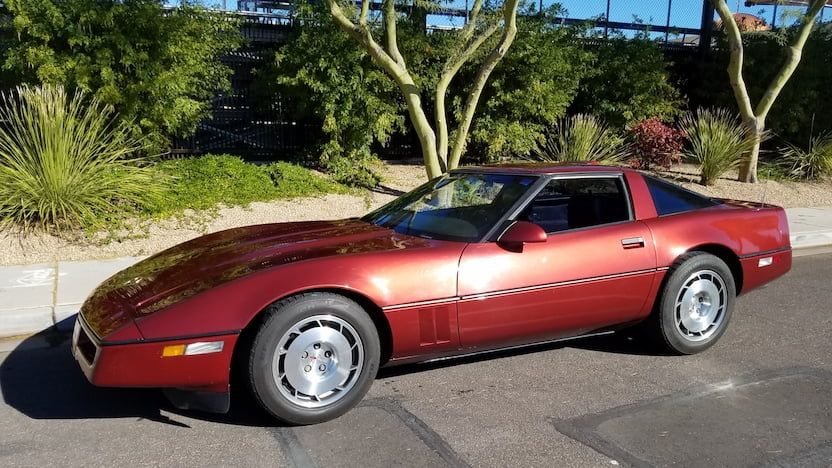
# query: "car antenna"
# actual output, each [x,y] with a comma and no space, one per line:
[765,188]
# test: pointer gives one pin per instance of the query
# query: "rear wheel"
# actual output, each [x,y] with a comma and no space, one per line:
[314,358]
[696,304]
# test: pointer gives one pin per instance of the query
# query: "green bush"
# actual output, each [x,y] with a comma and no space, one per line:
[65,163]
[717,141]
[630,82]
[210,181]
[530,89]
[811,164]
[331,80]
[582,138]
[158,68]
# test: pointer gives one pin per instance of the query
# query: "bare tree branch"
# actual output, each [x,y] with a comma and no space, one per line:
[365,10]
[363,35]
[448,73]
[795,52]
[754,119]
[390,29]
[509,32]
[737,58]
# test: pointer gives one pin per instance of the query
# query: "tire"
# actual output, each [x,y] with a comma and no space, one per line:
[696,304]
[314,358]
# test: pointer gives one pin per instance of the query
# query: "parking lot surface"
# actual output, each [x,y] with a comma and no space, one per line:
[760,397]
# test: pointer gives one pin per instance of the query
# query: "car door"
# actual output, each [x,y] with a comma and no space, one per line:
[595,269]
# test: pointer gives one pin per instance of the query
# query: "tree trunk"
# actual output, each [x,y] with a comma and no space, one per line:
[427,138]
[748,166]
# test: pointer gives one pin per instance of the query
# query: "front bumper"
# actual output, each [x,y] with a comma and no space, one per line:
[141,364]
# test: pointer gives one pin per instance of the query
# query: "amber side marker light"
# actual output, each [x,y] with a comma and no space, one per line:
[200,347]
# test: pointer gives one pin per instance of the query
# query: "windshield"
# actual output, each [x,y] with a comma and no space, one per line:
[457,207]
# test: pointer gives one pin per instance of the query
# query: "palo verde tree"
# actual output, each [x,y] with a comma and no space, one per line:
[438,152]
[754,118]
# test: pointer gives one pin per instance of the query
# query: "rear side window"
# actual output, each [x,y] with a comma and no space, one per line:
[578,203]
[670,198]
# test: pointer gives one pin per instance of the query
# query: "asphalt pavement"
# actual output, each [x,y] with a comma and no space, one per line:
[760,397]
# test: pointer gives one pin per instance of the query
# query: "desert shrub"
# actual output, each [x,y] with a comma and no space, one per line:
[65,162]
[717,141]
[813,163]
[629,82]
[581,138]
[210,181]
[158,68]
[655,144]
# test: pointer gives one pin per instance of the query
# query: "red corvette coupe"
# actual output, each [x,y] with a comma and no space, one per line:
[479,259]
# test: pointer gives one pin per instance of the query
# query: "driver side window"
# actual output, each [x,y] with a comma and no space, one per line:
[566,204]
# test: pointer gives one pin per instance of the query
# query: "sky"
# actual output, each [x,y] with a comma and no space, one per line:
[683,13]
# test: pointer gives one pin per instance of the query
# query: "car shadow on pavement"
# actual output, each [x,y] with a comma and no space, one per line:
[622,342]
[41,380]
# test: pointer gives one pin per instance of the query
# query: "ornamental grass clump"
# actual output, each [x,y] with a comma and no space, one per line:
[813,164]
[66,162]
[582,138]
[717,141]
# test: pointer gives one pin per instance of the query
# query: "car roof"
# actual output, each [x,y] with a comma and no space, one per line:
[538,168]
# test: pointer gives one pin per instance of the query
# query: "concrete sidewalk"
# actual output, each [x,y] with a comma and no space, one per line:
[35,297]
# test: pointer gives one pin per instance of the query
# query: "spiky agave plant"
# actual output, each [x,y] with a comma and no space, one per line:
[66,162]
[814,163]
[717,141]
[581,138]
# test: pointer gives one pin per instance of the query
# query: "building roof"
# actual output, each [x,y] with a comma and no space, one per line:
[746,22]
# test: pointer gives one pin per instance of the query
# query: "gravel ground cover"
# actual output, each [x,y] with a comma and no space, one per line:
[787,194]
[37,248]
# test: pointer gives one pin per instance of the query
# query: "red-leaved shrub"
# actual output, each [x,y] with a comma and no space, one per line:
[656,144]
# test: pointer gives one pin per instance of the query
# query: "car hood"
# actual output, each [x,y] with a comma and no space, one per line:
[187,269]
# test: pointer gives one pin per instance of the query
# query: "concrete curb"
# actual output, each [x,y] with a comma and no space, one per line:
[36,297]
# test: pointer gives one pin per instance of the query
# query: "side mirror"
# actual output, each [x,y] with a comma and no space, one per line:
[522,232]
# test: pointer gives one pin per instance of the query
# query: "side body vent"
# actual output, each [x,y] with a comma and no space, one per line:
[434,325]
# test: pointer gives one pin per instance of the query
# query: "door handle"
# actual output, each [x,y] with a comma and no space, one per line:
[632,242]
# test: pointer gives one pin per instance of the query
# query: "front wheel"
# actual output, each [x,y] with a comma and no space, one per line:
[314,358]
[696,304]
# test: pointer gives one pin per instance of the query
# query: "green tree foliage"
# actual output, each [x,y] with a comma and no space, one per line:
[324,75]
[6,36]
[157,68]
[630,82]
[530,90]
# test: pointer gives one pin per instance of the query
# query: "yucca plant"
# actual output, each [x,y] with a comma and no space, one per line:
[581,138]
[812,164]
[717,141]
[66,162]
